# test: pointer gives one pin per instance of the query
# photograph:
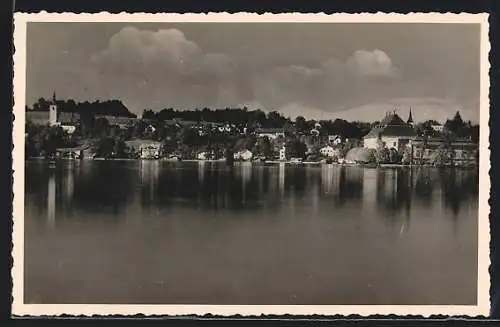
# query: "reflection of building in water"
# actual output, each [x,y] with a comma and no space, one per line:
[281,178]
[68,194]
[201,171]
[370,186]
[328,181]
[51,200]
[149,175]
[390,185]
[246,176]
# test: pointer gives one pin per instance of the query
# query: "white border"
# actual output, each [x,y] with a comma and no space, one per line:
[19,308]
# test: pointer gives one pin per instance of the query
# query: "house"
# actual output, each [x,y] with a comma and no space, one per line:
[121,122]
[282,153]
[392,131]
[328,151]
[437,127]
[271,133]
[150,129]
[334,139]
[423,150]
[202,156]
[244,155]
[151,150]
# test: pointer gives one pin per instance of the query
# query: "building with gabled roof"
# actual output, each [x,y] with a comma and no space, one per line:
[392,131]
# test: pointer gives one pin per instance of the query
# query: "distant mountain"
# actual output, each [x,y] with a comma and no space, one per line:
[422,109]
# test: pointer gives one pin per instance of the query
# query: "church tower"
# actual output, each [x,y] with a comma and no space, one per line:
[53,111]
[410,119]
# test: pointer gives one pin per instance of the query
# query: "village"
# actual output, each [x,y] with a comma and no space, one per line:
[58,134]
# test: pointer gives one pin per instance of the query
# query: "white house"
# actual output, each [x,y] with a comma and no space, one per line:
[271,133]
[283,153]
[437,127]
[334,139]
[328,151]
[150,150]
[150,129]
[202,156]
[393,132]
[244,155]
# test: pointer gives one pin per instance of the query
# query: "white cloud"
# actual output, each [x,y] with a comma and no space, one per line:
[374,63]
[156,69]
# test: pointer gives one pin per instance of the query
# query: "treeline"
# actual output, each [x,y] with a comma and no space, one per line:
[455,126]
[108,107]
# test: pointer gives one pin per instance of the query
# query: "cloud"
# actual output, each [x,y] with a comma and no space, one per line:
[132,50]
[374,63]
[163,68]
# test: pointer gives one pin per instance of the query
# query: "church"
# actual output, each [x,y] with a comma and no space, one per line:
[392,131]
[66,120]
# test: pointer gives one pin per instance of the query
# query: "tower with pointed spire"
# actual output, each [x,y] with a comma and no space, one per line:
[53,111]
[410,119]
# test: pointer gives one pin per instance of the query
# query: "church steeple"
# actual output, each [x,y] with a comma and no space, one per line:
[410,119]
[54,97]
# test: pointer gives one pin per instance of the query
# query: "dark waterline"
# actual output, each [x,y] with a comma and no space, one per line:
[189,233]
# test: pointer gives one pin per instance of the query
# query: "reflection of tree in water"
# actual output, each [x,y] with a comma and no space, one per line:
[350,185]
[343,184]
[424,185]
[296,181]
[457,187]
[103,185]
[394,191]
[214,186]
[35,183]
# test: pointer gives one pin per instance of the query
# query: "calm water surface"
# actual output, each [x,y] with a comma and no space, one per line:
[193,233]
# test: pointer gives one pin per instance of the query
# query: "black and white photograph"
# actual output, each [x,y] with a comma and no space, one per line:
[248,164]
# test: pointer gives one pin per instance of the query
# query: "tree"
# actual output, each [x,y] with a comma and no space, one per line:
[456,124]
[148,114]
[381,153]
[295,148]
[101,127]
[394,156]
[407,156]
[314,154]
[120,148]
[104,147]
[300,124]
[443,156]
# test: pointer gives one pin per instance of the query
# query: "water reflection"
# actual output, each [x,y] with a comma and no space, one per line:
[139,232]
[51,200]
[112,186]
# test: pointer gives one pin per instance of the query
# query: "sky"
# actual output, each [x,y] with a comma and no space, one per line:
[317,70]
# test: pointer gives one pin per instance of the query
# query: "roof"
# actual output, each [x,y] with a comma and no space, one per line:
[391,125]
[392,119]
[138,143]
[68,117]
[443,140]
[37,117]
[270,130]
[117,119]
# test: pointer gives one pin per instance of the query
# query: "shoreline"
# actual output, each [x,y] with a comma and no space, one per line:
[254,163]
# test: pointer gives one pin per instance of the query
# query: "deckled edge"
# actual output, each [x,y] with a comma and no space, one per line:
[374,17]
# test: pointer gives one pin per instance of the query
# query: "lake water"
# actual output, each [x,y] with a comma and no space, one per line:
[198,233]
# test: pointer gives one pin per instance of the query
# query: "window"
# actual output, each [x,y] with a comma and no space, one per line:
[394,144]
